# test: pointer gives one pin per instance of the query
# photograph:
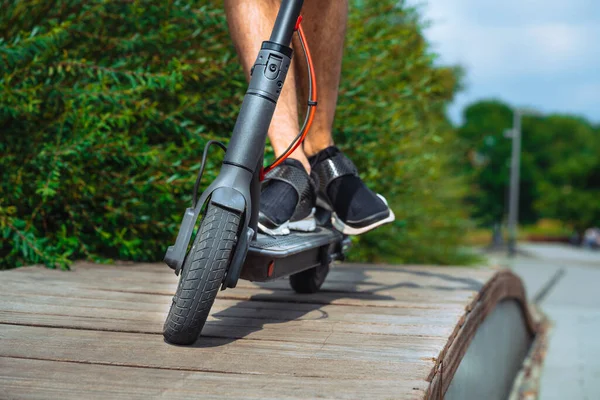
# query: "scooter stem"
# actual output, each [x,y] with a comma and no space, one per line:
[287,16]
[268,75]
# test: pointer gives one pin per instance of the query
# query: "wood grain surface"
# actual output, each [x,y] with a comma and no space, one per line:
[373,332]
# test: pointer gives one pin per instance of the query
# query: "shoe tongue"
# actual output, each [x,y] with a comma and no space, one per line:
[324,154]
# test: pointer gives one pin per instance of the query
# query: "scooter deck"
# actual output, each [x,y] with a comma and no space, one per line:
[271,257]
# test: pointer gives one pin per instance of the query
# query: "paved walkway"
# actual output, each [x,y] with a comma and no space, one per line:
[565,281]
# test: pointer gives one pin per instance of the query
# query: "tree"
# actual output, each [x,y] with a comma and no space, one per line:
[569,156]
[559,165]
[487,162]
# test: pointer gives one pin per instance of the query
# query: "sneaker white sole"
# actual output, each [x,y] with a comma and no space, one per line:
[307,224]
[348,230]
[281,230]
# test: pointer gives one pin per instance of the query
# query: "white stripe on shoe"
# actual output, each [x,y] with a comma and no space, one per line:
[348,230]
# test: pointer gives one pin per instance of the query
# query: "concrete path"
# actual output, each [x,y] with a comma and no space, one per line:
[565,282]
[562,253]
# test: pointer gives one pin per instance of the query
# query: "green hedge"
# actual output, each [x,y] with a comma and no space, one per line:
[105,107]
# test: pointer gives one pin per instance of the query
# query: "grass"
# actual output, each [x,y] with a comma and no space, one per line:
[544,228]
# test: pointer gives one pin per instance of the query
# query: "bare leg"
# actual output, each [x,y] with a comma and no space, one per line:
[324,24]
[357,209]
[250,23]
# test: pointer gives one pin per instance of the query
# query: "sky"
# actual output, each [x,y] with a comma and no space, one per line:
[529,53]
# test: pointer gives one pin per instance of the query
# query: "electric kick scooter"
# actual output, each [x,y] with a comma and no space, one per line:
[227,245]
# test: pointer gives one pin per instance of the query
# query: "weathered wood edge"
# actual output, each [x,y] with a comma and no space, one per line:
[526,385]
[504,285]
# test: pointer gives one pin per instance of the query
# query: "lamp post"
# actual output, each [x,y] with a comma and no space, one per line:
[515,167]
[513,197]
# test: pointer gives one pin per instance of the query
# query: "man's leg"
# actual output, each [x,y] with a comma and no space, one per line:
[356,208]
[250,23]
[324,24]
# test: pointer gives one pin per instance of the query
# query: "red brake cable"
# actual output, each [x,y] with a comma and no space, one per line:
[312,104]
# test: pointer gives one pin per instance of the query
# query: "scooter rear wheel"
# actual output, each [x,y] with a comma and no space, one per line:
[201,276]
[310,280]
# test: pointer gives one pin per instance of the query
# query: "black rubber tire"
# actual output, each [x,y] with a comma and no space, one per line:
[201,276]
[310,280]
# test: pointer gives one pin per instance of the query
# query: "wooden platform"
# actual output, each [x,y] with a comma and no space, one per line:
[373,332]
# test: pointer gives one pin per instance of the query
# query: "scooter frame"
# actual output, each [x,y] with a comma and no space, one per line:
[237,187]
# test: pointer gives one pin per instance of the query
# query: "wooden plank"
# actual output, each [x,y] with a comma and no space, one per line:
[157,281]
[411,298]
[40,380]
[291,331]
[223,320]
[238,308]
[422,347]
[260,357]
[348,271]
[401,277]
[399,297]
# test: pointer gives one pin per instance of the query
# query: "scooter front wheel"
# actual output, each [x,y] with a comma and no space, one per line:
[201,276]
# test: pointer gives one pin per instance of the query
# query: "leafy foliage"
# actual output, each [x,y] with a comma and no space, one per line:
[560,166]
[106,106]
[391,122]
[486,160]
[568,156]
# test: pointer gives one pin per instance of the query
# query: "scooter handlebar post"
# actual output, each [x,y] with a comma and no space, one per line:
[286,21]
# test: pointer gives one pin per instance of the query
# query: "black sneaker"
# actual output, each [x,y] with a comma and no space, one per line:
[355,208]
[287,200]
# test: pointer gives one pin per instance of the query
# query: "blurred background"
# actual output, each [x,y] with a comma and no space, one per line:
[105,107]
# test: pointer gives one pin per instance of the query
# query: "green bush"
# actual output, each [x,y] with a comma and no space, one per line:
[106,106]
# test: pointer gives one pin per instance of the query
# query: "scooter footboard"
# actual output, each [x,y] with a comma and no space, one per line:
[271,257]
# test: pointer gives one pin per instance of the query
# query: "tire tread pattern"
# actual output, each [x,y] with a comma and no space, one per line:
[201,276]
